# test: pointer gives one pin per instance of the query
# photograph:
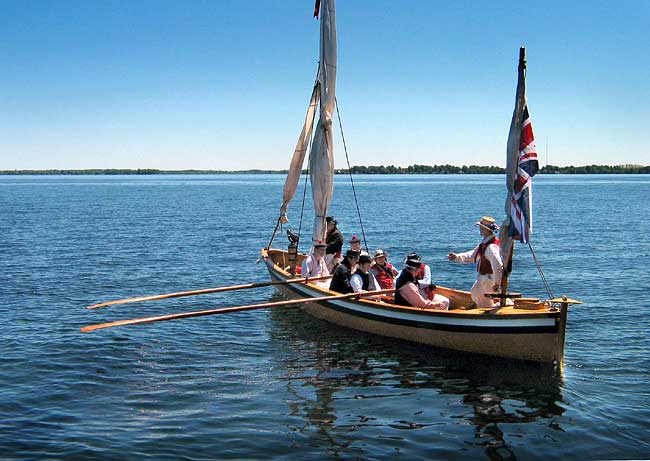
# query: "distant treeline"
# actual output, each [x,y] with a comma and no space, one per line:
[140,171]
[390,169]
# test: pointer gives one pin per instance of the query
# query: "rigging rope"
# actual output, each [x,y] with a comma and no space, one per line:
[354,192]
[539,268]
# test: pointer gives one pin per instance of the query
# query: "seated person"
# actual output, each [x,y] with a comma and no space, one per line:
[383,271]
[355,244]
[363,280]
[407,292]
[314,264]
[343,273]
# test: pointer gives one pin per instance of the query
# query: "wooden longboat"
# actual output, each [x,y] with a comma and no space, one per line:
[534,332]
[531,330]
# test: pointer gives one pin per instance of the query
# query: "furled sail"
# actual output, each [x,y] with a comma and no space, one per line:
[291,183]
[521,166]
[321,158]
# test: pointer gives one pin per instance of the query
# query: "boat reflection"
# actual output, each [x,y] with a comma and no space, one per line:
[350,389]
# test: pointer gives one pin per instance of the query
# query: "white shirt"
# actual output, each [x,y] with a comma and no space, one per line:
[357,283]
[492,254]
[313,267]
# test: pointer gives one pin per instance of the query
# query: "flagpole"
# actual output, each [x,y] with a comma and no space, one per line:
[510,177]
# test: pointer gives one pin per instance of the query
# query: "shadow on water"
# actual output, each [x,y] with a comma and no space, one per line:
[348,386]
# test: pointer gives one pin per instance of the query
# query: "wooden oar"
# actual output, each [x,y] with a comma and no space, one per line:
[208,290]
[226,310]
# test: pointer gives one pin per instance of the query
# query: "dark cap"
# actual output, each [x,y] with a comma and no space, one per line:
[355,239]
[412,264]
[330,219]
[413,257]
[352,254]
[364,258]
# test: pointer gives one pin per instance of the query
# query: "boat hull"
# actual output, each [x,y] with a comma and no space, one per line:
[533,335]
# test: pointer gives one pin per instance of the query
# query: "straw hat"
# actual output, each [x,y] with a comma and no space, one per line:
[379,253]
[488,223]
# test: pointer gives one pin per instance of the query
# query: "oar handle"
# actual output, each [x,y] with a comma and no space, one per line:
[226,310]
[208,290]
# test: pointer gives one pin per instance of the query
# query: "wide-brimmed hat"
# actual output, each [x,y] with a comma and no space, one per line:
[412,264]
[489,223]
[354,239]
[352,254]
[320,244]
[413,257]
[364,258]
[380,253]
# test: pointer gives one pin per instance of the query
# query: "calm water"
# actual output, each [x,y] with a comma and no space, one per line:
[278,384]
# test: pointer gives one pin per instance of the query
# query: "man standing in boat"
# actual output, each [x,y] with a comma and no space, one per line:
[314,264]
[407,289]
[344,272]
[334,240]
[489,264]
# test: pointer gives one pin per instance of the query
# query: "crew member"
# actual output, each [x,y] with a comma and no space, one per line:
[489,265]
[314,264]
[407,292]
[334,240]
[343,273]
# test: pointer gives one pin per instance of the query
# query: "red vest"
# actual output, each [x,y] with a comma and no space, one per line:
[384,275]
[484,267]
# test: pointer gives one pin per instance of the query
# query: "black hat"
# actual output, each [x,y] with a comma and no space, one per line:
[413,257]
[330,219]
[364,258]
[412,264]
[352,254]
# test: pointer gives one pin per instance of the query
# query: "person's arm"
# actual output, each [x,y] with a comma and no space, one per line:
[356,283]
[467,257]
[412,296]
[305,267]
[374,284]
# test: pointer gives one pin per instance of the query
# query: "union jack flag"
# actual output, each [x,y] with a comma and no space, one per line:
[521,216]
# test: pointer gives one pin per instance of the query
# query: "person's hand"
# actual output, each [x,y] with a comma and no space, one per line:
[451,256]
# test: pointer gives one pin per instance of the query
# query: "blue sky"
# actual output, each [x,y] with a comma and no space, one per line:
[225,84]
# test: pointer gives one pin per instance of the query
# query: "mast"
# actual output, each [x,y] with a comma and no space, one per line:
[321,158]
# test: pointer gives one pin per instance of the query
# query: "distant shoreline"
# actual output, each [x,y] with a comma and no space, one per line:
[413,169]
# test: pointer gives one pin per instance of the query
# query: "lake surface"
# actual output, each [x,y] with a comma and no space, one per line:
[279,384]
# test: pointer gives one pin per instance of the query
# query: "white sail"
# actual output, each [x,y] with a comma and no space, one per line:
[321,165]
[291,183]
